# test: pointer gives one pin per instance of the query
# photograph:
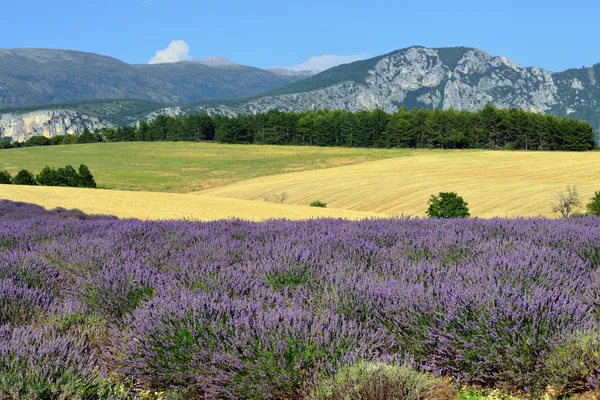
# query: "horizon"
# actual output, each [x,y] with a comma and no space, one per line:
[294,68]
[311,35]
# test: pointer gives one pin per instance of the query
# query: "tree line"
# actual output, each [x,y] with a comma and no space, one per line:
[48,176]
[489,128]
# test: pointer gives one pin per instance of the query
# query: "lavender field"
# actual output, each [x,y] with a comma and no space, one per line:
[94,307]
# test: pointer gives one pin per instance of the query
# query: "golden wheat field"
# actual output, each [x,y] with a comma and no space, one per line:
[159,206]
[493,183]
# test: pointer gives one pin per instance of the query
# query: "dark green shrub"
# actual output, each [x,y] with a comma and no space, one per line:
[86,179]
[24,177]
[47,177]
[36,141]
[88,137]
[447,205]
[318,203]
[5,178]
[593,207]
[66,176]
[5,143]
[63,139]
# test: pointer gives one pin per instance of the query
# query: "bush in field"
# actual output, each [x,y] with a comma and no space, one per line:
[66,176]
[24,177]
[566,202]
[40,363]
[86,179]
[593,207]
[318,203]
[447,205]
[5,178]
[379,381]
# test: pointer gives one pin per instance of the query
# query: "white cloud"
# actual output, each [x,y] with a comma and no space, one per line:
[177,50]
[326,61]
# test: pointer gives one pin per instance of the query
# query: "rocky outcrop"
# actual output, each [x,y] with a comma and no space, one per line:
[20,127]
[465,79]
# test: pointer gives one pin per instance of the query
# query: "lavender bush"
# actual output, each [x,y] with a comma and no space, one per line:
[234,309]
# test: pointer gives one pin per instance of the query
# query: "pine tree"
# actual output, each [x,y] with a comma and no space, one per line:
[85,177]
[5,178]
[24,177]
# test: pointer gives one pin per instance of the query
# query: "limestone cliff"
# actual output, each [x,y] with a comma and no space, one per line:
[21,126]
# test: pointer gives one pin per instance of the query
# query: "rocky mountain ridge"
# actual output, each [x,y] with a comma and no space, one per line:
[462,78]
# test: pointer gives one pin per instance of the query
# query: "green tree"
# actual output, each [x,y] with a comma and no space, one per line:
[447,205]
[86,179]
[5,178]
[36,141]
[47,177]
[24,177]
[67,176]
[593,207]
[87,137]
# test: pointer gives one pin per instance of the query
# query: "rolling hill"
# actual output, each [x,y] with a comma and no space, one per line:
[30,77]
[495,184]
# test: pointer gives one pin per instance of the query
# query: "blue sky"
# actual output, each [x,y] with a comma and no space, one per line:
[551,34]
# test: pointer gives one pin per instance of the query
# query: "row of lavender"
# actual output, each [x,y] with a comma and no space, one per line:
[235,309]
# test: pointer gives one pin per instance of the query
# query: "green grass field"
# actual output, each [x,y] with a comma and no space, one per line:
[184,167]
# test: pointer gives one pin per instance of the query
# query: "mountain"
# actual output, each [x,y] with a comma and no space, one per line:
[216,61]
[30,77]
[459,77]
[292,72]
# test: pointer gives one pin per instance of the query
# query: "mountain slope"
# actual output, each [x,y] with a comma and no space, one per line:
[43,76]
[198,81]
[463,78]
[459,77]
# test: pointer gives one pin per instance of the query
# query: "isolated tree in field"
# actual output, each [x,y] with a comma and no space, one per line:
[566,202]
[86,179]
[24,177]
[5,178]
[447,205]
[593,207]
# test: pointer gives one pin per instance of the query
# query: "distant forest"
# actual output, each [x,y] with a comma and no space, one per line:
[489,128]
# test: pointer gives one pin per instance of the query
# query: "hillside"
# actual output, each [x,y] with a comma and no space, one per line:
[377,181]
[160,206]
[462,78]
[495,184]
[181,167]
[31,77]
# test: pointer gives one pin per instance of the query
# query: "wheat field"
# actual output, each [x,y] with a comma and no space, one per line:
[183,167]
[505,184]
[161,206]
